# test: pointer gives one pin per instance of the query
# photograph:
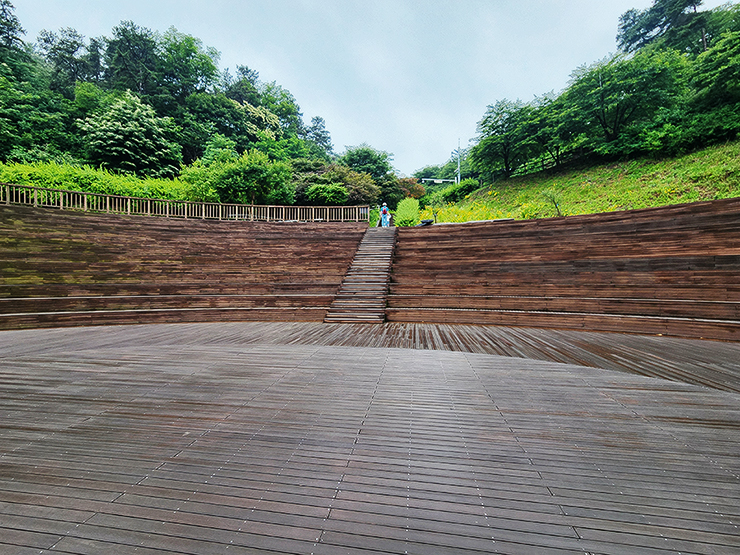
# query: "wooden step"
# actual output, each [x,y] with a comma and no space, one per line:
[362,295]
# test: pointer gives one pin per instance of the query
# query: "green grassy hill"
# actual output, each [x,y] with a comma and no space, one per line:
[708,174]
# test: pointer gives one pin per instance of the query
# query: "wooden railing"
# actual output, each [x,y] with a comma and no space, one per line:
[114,204]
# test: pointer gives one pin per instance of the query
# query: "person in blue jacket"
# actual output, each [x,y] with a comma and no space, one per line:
[385,216]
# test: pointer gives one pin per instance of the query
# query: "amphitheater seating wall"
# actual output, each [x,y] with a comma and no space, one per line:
[70,268]
[672,270]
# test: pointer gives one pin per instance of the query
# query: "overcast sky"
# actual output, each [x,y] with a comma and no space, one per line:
[410,77]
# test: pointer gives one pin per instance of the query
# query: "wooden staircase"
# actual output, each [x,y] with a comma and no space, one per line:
[361,298]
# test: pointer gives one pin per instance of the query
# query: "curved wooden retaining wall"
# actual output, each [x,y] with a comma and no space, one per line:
[672,270]
[61,268]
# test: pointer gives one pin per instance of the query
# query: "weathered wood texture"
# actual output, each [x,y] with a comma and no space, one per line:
[67,268]
[362,296]
[672,270]
[184,439]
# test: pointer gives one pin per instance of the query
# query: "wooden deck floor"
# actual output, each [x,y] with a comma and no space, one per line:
[323,438]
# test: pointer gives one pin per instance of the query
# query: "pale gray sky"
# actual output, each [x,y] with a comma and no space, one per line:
[410,77]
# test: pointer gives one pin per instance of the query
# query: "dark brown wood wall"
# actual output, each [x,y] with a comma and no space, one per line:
[69,268]
[673,270]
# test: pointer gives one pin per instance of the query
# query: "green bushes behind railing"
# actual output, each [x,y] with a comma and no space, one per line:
[92,180]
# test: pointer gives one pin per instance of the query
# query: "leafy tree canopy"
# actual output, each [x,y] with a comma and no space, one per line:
[251,178]
[129,137]
[327,194]
[676,24]
[143,102]
[11,31]
[499,148]
[132,59]
[366,159]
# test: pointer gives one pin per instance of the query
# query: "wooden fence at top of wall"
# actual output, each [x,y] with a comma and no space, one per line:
[114,204]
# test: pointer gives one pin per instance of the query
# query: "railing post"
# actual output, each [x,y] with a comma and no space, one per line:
[21,194]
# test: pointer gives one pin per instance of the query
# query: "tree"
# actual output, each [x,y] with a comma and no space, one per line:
[614,95]
[283,104]
[319,139]
[366,159]
[411,187]
[716,73]
[94,59]
[65,53]
[360,187]
[499,148]
[129,137]
[551,128]
[219,149]
[327,194]
[674,23]
[16,60]
[285,148]
[132,59]
[243,88]
[34,123]
[10,27]
[715,103]
[376,163]
[204,114]
[251,178]
[185,67]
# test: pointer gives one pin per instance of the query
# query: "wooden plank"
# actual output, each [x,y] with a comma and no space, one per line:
[266,437]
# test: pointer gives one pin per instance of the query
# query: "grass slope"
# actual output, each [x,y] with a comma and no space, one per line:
[709,174]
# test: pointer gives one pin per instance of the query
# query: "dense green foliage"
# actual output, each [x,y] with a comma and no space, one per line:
[676,24]
[155,105]
[129,137]
[407,213]
[249,178]
[377,164]
[327,194]
[675,87]
[84,178]
[147,105]
[707,174]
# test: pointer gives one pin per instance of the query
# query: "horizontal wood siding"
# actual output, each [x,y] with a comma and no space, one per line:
[63,268]
[671,270]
